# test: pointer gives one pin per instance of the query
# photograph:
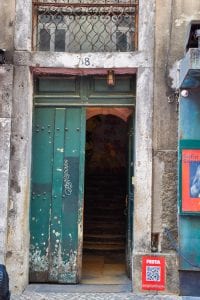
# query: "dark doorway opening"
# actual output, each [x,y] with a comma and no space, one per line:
[105,201]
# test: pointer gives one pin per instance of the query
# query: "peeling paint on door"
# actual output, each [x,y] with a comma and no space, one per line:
[57,189]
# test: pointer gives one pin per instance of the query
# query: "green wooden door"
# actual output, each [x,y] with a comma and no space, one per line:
[130,196]
[58,149]
[57,194]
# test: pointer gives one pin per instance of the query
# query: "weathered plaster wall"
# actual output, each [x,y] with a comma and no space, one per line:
[6,80]
[152,214]
[23,25]
[21,130]
[7,15]
[143,132]
[143,141]
[6,77]
[20,163]
[165,117]
[172,18]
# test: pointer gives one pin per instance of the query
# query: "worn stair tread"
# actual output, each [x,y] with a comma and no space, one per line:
[106,236]
[106,218]
[106,209]
[93,195]
[103,247]
[114,204]
[106,241]
[103,231]
[106,224]
[101,242]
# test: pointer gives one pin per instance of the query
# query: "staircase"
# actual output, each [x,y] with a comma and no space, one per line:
[104,218]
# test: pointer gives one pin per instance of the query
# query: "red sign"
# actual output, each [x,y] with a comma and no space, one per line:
[190,180]
[153,273]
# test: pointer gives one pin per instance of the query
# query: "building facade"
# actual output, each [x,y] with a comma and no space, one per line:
[52,84]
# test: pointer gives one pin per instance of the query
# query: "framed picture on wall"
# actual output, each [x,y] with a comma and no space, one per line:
[190,177]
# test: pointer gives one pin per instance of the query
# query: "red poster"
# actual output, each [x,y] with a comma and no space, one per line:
[190,180]
[153,273]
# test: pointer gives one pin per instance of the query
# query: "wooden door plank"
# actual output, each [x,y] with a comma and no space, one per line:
[71,192]
[56,263]
[42,157]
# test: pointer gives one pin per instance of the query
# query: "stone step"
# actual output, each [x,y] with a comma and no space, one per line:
[109,223]
[109,195]
[100,196]
[101,231]
[104,201]
[102,247]
[105,220]
[103,212]
[105,242]
[104,238]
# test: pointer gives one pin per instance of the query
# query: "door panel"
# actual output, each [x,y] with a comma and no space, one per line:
[42,148]
[57,194]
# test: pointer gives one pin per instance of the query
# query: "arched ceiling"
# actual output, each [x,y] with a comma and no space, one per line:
[122,113]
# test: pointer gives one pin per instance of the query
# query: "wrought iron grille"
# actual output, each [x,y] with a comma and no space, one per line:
[85,25]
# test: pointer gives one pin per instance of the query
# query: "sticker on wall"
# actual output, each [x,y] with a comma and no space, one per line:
[153,273]
[190,180]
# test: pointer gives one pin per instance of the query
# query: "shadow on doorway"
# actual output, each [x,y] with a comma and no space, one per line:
[104,245]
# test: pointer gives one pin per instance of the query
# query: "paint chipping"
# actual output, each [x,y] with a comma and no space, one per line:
[38,261]
[65,270]
[56,234]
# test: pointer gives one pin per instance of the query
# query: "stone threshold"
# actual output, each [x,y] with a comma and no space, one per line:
[88,292]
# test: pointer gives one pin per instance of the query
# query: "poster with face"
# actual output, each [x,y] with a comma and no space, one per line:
[190,180]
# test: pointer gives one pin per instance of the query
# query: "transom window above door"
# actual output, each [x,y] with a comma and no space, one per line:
[85,25]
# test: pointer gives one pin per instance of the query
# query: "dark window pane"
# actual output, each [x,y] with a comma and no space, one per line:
[121,41]
[60,40]
[85,28]
[44,40]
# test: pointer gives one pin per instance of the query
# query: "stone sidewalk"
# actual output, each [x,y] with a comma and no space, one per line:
[91,296]
[87,292]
